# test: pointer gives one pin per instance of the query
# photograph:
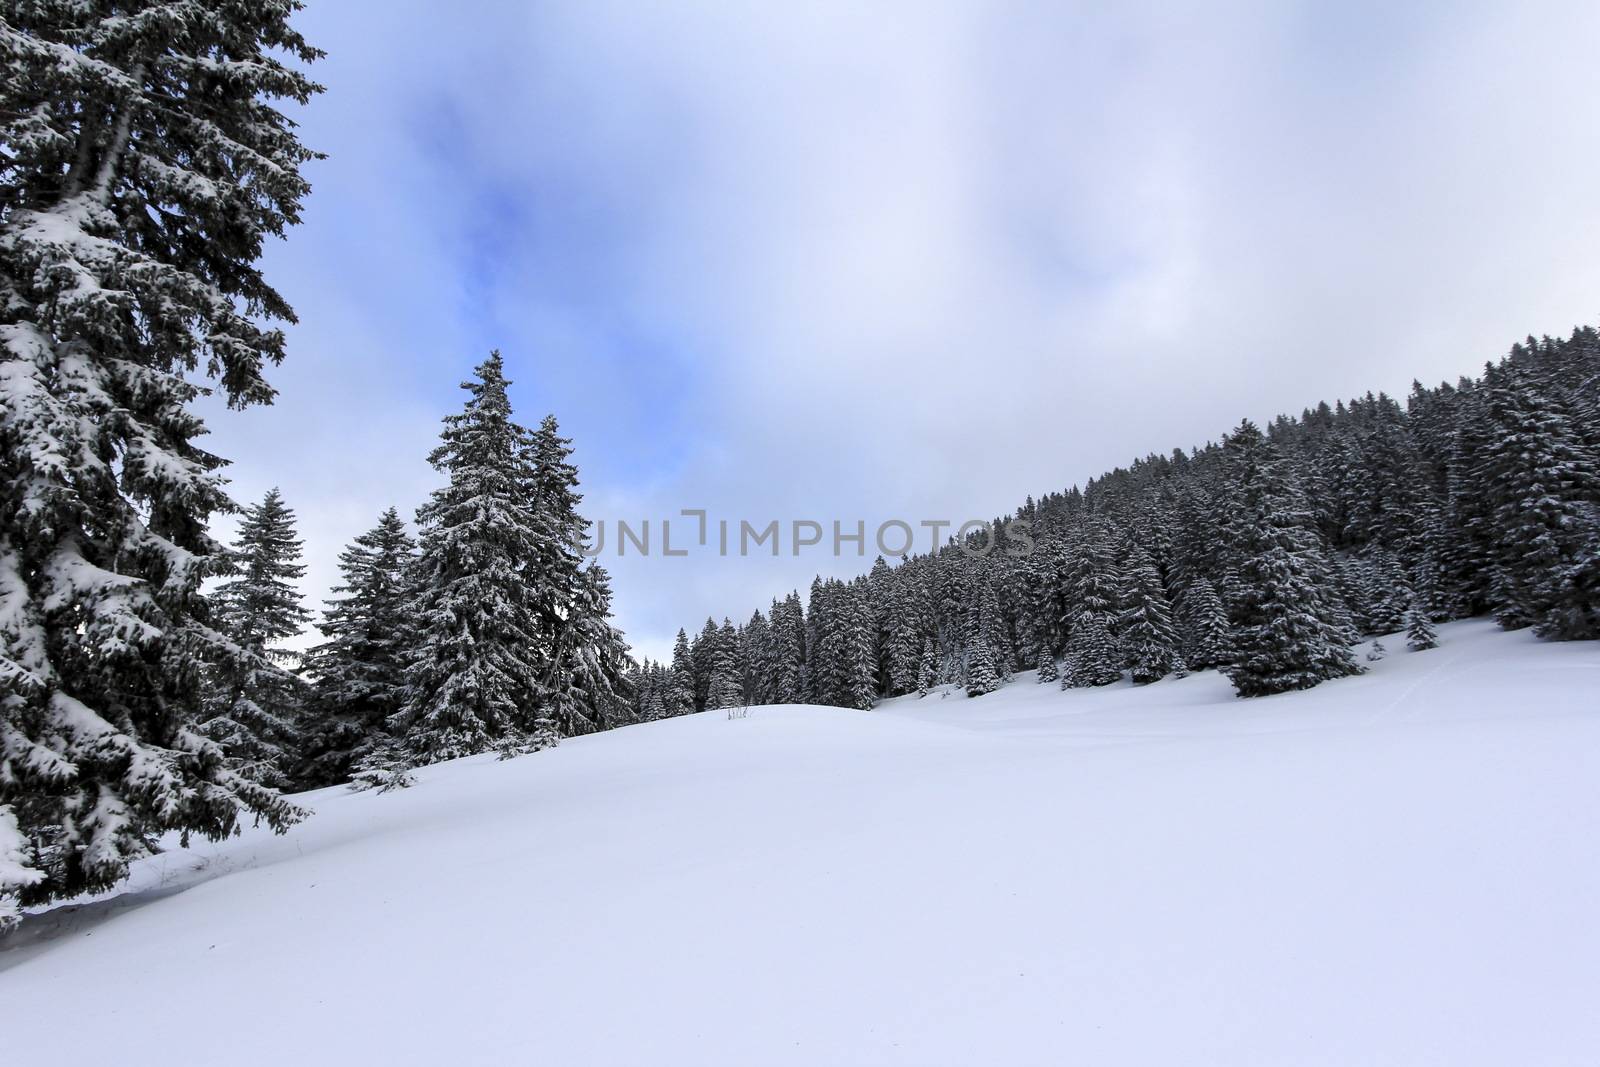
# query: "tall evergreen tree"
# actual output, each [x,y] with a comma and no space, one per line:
[703,655]
[927,670]
[1208,637]
[723,689]
[474,680]
[359,671]
[680,692]
[579,651]
[1541,486]
[755,660]
[1149,641]
[843,661]
[788,650]
[145,163]
[254,703]
[1092,658]
[1289,635]
[1091,654]
[589,690]
[981,674]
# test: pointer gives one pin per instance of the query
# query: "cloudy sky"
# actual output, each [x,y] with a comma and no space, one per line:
[840,261]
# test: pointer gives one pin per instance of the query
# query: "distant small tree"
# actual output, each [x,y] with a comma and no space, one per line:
[928,670]
[981,676]
[1420,635]
[680,689]
[1208,637]
[1091,654]
[254,701]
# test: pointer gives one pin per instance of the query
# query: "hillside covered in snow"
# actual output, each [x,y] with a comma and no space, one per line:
[1395,868]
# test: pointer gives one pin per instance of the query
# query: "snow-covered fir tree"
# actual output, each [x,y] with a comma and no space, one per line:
[358,672]
[146,161]
[254,700]
[723,688]
[1149,641]
[981,674]
[1541,490]
[755,660]
[680,691]
[479,668]
[843,673]
[1047,667]
[651,692]
[703,654]
[581,688]
[788,650]
[1208,638]
[927,669]
[1092,658]
[1289,634]
[1420,634]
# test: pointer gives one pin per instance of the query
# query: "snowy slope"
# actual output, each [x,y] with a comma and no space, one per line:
[1393,869]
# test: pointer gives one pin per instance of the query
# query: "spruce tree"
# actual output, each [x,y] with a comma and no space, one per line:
[723,689]
[475,678]
[1420,635]
[680,691]
[755,660]
[927,670]
[359,671]
[903,655]
[254,702]
[1541,484]
[788,650]
[981,674]
[1209,639]
[576,649]
[1289,634]
[653,699]
[1383,591]
[703,655]
[1149,642]
[145,164]
[1047,667]
[589,690]
[843,665]
[1091,658]
[1091,655]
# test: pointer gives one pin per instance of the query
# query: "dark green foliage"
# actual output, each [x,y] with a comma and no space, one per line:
[1208,636]
[145,162]
[1541,487]
[359,671]
[981,676]
[1149,641]
[1288,632]
[254,701]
